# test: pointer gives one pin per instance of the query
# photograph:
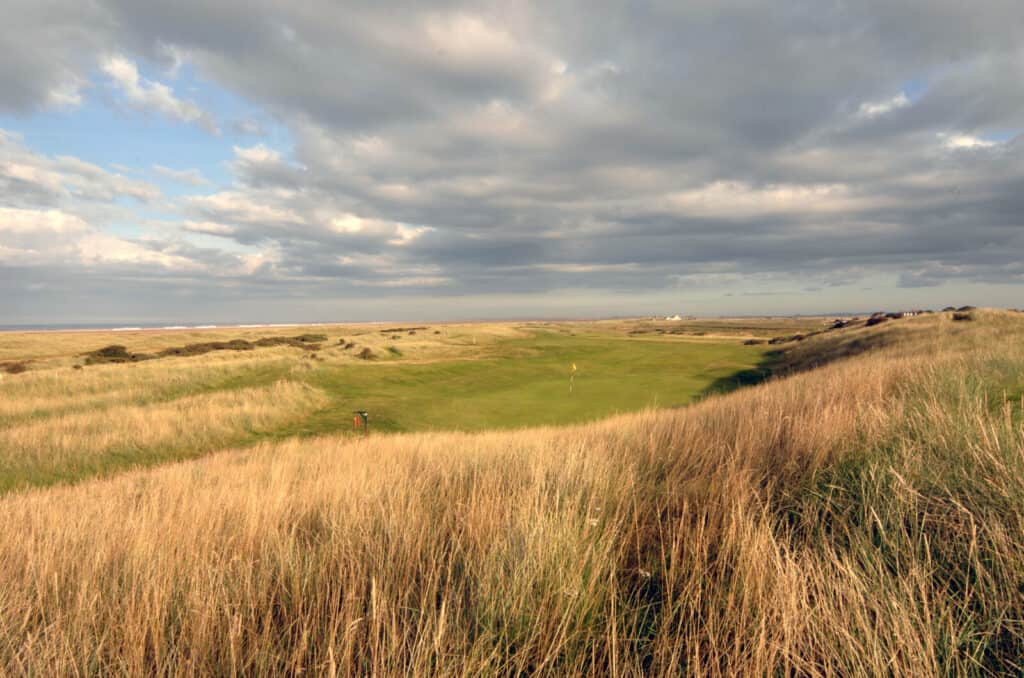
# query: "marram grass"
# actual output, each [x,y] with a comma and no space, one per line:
[861,518]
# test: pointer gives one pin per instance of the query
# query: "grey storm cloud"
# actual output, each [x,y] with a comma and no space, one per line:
[465,148]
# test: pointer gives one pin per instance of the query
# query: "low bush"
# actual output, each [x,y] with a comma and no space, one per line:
[15,367]
[115,353]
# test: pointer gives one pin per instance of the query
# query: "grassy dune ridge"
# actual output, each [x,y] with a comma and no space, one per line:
[45,393]
[859,518]
[70,446]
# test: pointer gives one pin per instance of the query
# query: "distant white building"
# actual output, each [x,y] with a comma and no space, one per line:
[673,317]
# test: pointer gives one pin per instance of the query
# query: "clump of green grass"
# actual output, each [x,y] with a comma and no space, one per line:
[395,351]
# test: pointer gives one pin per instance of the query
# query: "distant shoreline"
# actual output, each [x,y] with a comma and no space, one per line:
[182,327]
[165,328]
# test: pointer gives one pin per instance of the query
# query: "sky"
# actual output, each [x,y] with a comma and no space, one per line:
[280,161]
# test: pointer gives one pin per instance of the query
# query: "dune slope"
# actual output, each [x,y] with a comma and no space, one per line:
[861,516]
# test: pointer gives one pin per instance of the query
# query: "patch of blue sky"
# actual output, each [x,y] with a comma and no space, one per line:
[915,88]
[1001,136]
[107,131]
[117,138]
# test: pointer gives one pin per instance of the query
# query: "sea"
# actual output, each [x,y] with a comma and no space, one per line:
[115,327]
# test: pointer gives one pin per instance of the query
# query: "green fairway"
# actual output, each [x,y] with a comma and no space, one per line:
[528,384]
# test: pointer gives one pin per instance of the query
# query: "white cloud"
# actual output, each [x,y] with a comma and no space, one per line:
[406,234]
[192,177]
[68,94]
[871,109]
[103,248]
[395,233]
[416,281]
[39,222]
[30,177]
[209,228]
[238,206]
[739,199]
[258,154]
[248,126]
[959,141]
[54,236]
[251,263]
[150,95]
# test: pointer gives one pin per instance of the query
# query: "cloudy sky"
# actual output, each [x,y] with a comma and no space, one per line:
[274,160]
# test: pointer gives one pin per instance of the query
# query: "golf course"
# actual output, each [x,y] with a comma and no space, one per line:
[71,408]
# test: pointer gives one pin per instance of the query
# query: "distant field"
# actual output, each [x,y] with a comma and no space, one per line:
[63,418]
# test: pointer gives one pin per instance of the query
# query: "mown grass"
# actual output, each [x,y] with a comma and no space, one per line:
[527,384]
[860,517]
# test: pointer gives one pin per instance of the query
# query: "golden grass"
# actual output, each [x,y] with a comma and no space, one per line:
[438,341]
[65,348]
[64,444]
[41,393]
[863,518]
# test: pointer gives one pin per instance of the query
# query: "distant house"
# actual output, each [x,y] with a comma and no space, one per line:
[673,317]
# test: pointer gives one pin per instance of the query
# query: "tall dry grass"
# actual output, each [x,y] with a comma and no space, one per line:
[78,443]
[43,393]
[863,518]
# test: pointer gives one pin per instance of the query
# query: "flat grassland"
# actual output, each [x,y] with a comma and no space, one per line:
[858,514]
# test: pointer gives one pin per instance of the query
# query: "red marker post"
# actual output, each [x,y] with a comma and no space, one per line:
[361,417]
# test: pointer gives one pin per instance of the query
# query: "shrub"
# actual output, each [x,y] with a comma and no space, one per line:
[394,350]
[115,353]
[14,367]
[366,354]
